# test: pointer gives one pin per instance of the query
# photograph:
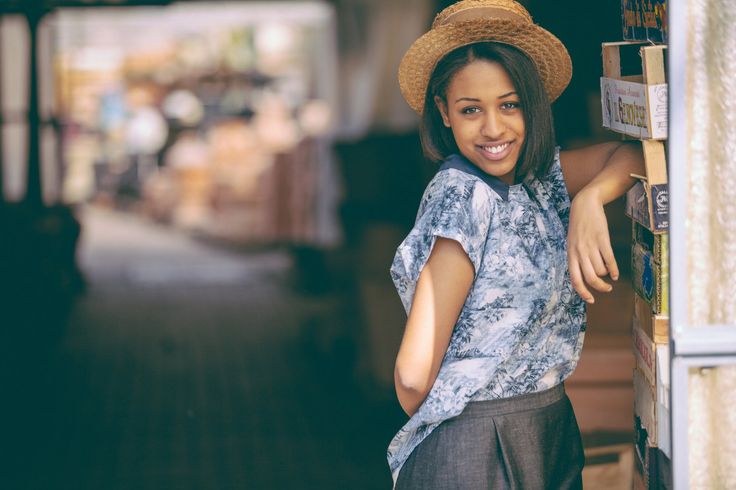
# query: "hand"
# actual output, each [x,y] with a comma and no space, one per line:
[589,253]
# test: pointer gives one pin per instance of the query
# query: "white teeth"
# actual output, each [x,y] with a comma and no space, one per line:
[496,149]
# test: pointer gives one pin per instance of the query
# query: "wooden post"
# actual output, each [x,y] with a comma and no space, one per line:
[34,192]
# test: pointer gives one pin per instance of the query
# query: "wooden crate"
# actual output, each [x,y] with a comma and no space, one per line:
[647,202]
[650,279]
[635,105]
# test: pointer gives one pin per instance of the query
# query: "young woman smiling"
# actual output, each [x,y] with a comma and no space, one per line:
[509,240]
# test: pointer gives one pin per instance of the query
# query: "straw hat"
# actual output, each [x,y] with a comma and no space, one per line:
[471,21]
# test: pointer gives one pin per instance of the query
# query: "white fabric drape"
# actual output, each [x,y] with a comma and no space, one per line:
[711,232]
[373,37]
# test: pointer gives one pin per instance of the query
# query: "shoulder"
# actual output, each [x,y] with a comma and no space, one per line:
[453,187]
[456,199]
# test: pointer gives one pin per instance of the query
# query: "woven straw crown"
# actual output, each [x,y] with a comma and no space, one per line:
[471,21]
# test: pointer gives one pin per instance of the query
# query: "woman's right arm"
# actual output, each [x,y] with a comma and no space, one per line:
[441,290]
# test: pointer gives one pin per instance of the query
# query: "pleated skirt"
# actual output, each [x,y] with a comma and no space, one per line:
[528,442]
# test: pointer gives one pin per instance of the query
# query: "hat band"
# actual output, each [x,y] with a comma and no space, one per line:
[479,13]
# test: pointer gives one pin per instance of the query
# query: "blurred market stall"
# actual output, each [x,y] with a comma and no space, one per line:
[215,117]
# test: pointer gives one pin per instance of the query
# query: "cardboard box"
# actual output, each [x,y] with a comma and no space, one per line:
[635,105]
[645,407]
[657,244]
[652,469]
[651,398]
[650,279]
[644,20]
[644,352]
[649,206]
[656,327]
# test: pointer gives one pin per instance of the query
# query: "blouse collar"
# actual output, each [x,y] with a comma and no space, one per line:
[459,162]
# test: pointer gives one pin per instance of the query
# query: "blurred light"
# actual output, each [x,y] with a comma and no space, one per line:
[98,59]
[146,132]
[274,39]
[183,106]
[315,118]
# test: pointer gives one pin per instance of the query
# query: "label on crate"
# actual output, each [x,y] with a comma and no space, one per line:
[660,207]
[626,108]
[650,279]
[649,206]
[658,112]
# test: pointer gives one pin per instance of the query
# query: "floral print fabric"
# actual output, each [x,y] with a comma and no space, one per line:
[522,326]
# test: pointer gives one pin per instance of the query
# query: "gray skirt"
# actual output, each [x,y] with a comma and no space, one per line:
[527,442]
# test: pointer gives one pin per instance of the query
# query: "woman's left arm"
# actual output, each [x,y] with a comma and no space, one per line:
[595,176]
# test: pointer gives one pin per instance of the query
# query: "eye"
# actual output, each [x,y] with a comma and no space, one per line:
[509,106]
[470,110]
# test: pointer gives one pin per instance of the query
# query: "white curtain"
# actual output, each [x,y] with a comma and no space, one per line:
[373,37]
[711,232]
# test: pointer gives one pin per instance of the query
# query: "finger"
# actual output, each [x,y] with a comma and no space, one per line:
[598,263]
[610,260]
[592,278]
[576,279]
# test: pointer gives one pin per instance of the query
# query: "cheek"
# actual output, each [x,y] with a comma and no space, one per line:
[463,137]
[463,131]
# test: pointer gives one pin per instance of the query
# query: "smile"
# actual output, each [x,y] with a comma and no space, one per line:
[496,149]
[496,152]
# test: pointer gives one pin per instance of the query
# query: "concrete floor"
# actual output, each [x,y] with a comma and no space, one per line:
[186,366]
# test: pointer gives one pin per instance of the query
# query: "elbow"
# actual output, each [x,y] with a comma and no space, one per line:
[410,380]
[412,387]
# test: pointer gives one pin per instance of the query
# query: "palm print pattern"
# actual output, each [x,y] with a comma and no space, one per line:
[522,325]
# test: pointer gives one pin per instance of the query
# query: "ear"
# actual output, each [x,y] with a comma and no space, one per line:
[442,107]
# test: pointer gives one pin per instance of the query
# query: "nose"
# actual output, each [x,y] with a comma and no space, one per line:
[493,125]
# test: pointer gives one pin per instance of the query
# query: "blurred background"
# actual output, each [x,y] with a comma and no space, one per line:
[200,204]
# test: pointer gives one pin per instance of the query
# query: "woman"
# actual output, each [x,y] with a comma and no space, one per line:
[509,240]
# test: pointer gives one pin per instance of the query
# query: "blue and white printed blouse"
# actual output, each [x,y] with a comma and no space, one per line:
[522,326]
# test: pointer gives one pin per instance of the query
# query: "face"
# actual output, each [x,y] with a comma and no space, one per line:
[482,109]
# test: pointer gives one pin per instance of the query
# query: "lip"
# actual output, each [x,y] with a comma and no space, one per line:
[496,156]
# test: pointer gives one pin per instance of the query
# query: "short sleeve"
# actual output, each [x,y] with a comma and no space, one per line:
[554,184]
[456,206]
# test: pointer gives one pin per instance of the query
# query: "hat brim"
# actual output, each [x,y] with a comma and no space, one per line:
[546,51]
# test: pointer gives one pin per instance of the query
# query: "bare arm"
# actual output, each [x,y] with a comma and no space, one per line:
[595,176]
[441,291]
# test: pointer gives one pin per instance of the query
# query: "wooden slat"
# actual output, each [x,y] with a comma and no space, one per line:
[653,64]
[611,60]
[655,162]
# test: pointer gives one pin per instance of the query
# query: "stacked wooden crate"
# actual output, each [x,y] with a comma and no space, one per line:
[636,106]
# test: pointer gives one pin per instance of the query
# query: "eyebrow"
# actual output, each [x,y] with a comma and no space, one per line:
[471,99]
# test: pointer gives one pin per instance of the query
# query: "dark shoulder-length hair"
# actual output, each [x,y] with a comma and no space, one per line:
[537,152]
